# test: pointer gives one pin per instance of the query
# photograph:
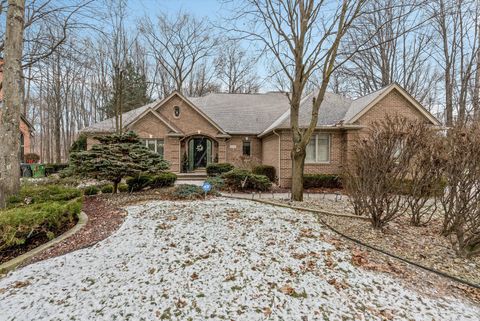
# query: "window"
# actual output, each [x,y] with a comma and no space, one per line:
[246,148]
[318,149]
[155,145]
[176,111]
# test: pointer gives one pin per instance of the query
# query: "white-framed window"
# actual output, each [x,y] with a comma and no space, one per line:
[155,145]
[318,149]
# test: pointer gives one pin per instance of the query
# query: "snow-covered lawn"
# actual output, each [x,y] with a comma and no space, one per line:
[218,260]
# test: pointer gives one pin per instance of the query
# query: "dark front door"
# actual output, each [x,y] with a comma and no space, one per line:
[200,152]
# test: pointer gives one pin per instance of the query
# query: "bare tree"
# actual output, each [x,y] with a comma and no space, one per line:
[400,50]
[10,118]
[304,38]
[235,68]
[456,26]
[179,45]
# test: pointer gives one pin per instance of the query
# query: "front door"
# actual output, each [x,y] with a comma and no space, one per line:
[200,152]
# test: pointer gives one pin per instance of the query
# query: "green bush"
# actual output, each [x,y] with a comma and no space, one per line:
[54,168]
[219,168]
[265,170]
[80,144]
[139,182]
[163,180]
[217,182]
[43,193]
[91,190]
[241,179]
[189,192]
[19,224]
[107,189]
[122,188]
[321,181]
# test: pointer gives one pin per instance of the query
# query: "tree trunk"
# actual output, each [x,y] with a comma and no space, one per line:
[476,88]
[10,119]
[298,164]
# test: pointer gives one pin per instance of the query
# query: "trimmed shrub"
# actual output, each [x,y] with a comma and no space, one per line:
[91,190]
[31,158]
[122,188]
[80,144]
[218,169]
[241,179]
[43,193]
[217,182]
[139,182]
[188,192]
[163,180]
[321,181]
[54,168]
[265,170]
[107,189]
[17,225]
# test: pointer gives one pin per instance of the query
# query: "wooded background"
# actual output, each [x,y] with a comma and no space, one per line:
[82,59]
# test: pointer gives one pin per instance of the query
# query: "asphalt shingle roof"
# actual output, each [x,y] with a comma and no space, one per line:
[259,113]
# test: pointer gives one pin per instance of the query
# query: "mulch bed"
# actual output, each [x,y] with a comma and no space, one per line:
[103,219]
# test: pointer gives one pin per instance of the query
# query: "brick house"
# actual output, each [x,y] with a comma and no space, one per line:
[192,132]
[26,128]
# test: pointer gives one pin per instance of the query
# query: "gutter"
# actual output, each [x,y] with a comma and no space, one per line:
[279,153]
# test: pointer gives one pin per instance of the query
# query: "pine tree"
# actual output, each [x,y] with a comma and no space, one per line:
[117,156]
[134,90]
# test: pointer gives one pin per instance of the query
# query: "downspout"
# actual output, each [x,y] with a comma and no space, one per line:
[279,154]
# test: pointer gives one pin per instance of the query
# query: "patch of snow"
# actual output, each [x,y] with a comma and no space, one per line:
[219,260]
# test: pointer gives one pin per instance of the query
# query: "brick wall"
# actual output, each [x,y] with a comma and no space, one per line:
[234,148]
[27,138]
[270,150]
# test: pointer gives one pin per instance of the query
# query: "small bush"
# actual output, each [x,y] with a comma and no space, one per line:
[80,144]
[17,225]
[321,181]
[122,188]
[107,189]
[241,179]
[259,183]
[31,158]
[188,192]
[91,190]
[163,180]
[139,182]
[217,182]
[43,193]
[218,169]
[265,170]
[54,168]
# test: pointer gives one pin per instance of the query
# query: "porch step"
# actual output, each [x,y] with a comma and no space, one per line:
[192,176]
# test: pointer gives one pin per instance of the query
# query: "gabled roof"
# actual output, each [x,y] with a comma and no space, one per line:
[362,105]
[243,113]
[172,127]
[259,114]
[194,107]
[339,111]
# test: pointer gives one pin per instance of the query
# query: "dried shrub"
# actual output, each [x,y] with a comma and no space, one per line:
[381,164]
[246,162]
[459,158]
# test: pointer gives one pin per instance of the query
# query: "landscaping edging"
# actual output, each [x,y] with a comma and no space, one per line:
[13,263]
[354,240]
[304,209]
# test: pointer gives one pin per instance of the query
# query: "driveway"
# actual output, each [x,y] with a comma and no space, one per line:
[217,260]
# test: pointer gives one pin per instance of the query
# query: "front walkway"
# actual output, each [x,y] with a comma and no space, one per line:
[217,260]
